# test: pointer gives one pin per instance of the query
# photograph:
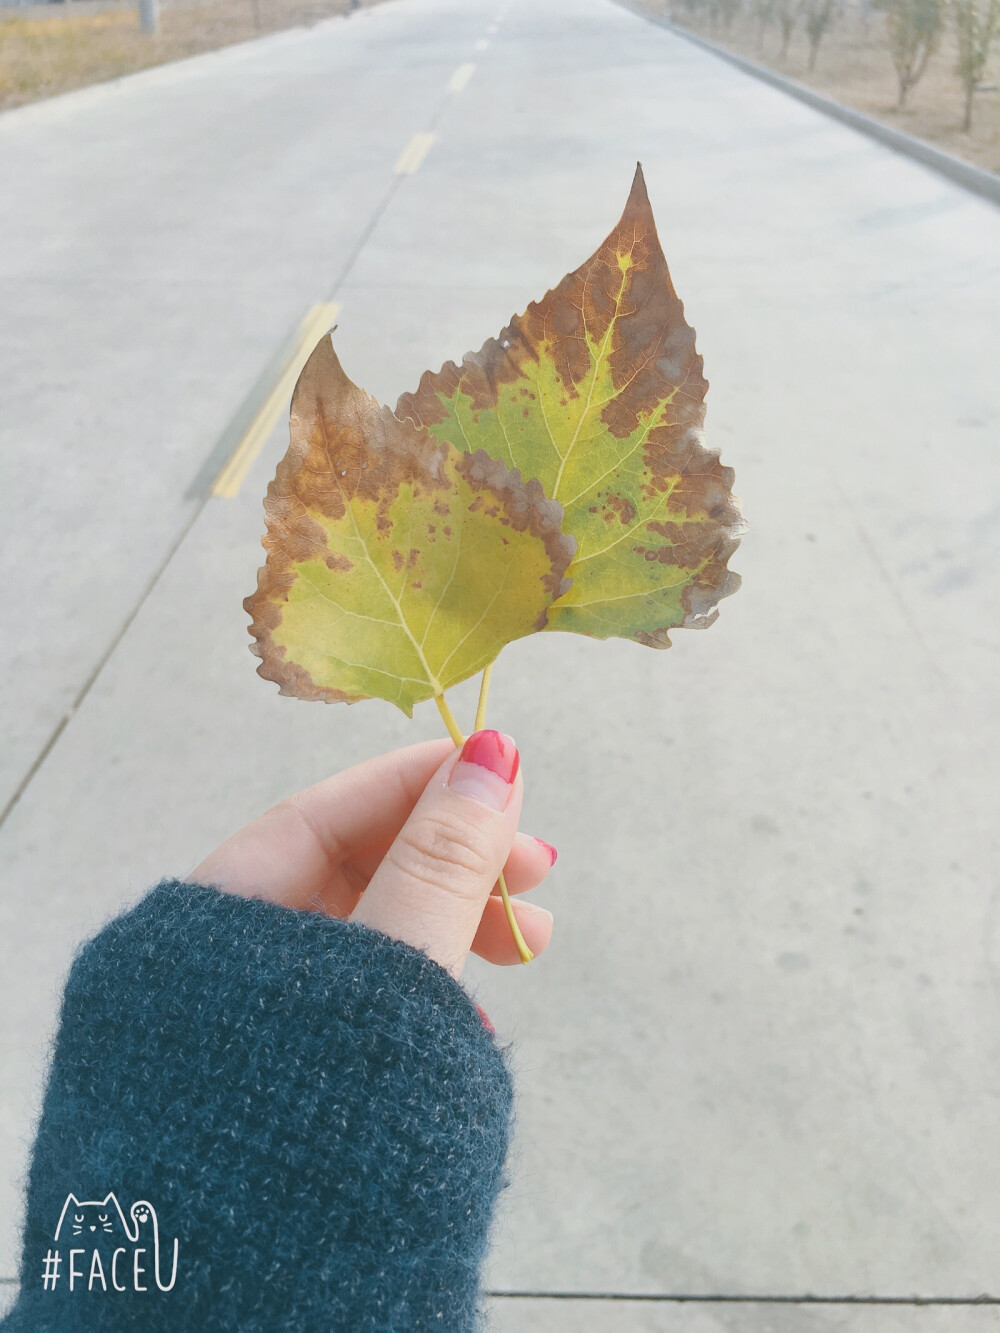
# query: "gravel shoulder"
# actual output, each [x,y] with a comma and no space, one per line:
[58,48]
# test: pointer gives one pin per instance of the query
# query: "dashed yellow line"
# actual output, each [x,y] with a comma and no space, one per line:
[259,413]
[461,78]
[412,156]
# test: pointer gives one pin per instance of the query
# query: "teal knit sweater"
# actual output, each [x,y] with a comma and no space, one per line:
[260,1119]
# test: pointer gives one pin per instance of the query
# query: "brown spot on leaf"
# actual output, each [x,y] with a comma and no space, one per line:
[622,508]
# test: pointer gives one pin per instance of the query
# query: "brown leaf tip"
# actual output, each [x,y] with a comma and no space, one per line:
[638,195]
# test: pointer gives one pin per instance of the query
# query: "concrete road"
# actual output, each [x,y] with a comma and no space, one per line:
[762,1056]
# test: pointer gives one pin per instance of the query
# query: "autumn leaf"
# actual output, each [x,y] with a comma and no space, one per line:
[396,565]
[597,392]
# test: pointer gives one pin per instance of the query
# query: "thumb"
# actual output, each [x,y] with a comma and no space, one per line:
[433,883]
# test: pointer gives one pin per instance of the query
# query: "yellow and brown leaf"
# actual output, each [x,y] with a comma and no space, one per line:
[597,392]
[397,565]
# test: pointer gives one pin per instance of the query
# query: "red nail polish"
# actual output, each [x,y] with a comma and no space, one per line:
[553,854]
[486,1022]
[494,751]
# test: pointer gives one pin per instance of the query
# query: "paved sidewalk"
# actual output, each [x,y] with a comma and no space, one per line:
[762,1056]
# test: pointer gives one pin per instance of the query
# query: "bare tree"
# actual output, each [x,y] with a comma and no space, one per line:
[819,16]
[728,9]
[976,23]
[763,12]
[690,8]
[914,33]
[787,12]
[721,11]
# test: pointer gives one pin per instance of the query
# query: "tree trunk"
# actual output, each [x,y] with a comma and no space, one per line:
[149,17]
[970,88]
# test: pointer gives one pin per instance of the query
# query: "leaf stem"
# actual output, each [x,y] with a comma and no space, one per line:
[455,732]
[484,694]
[515,929]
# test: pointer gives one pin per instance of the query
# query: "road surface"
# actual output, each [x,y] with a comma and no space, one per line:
[762,1056]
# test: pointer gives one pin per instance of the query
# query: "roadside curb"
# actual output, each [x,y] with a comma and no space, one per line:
[984,183]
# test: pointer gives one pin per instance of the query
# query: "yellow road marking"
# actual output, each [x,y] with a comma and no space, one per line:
[460,78]
[412,156]
[316,322]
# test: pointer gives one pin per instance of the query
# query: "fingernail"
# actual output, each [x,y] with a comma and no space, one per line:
[486,1020]
[553,854]
[486,769]
[531,909]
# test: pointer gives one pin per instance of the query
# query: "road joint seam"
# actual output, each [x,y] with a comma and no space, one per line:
[681,1298]
[705,1298]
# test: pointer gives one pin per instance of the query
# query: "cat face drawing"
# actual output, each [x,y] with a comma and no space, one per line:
[92,1219]
[86,1224]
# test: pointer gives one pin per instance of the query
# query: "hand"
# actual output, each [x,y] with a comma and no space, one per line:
[410,843]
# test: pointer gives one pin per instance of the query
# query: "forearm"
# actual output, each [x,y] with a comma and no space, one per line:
[314,1110]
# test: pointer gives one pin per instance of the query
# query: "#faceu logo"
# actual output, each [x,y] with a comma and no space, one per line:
[124,1252]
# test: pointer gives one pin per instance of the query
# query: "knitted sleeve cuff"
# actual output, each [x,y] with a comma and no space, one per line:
[311,1109]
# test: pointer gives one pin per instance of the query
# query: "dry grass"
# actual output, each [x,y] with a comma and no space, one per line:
[855,68]
[43,56]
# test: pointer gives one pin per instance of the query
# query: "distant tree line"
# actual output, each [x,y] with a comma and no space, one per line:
[913,28]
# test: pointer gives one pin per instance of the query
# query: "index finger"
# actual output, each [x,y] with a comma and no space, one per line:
[290,852]
[371,801]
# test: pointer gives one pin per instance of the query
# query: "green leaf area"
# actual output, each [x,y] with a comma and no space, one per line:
[597,392]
